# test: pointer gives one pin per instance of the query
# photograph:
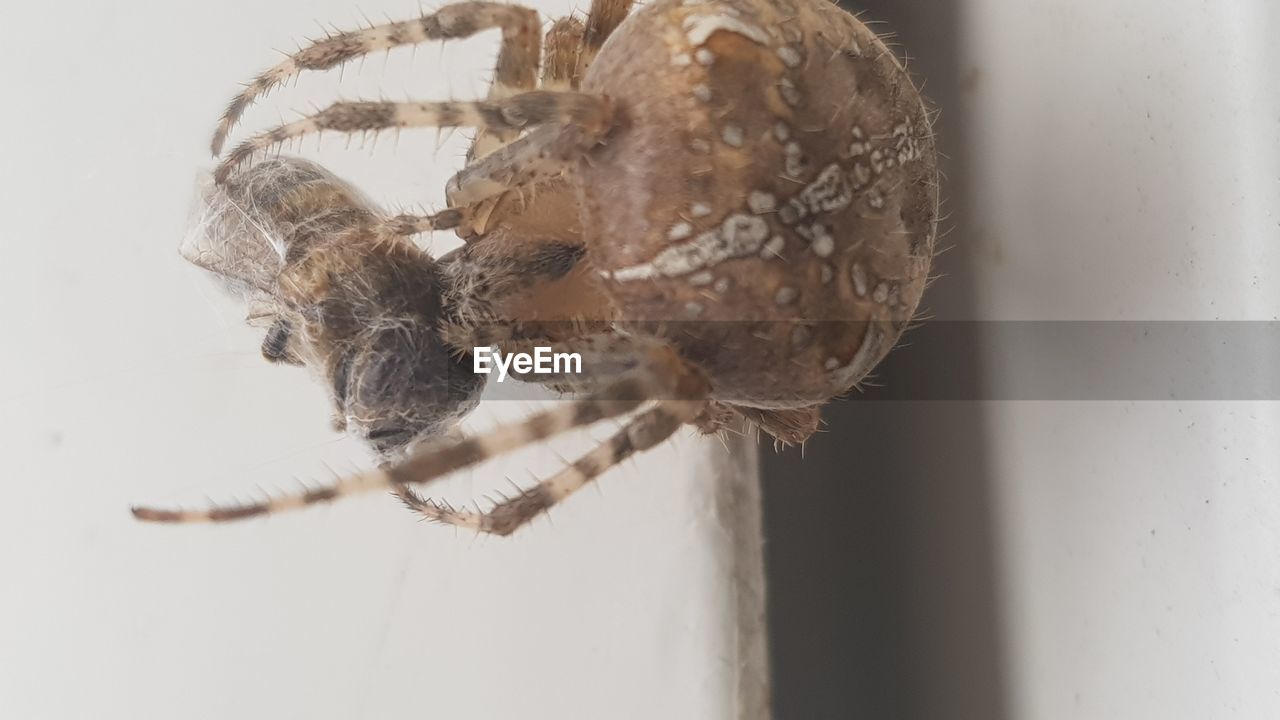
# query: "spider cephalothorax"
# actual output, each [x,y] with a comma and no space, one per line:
[727,207]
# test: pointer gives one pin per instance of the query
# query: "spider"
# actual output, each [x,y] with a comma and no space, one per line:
[731,203]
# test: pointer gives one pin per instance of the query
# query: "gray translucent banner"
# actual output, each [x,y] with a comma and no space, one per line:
[1061,360]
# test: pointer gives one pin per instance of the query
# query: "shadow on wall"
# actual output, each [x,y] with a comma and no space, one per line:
[879,549]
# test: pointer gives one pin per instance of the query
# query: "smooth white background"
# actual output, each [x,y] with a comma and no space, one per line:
[127,377]
[1127,167]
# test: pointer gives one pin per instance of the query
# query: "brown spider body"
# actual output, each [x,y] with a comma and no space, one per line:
[770,191]
[732,203]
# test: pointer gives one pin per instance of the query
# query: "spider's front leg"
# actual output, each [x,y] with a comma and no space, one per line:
[562,46]
[544,155]
[570,46]
[517,64]
[574,123]
[515,71]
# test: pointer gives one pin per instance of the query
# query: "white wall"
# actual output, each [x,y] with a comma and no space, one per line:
[127,378]
[1126,166]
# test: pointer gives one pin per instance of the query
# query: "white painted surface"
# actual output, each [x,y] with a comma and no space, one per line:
[1127,168]
[129,378]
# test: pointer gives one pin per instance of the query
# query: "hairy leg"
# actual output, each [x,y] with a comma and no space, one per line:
[664,376]
[429,461]
[641,433]
[562,47]
[590,114]
[562,44]
[604,17]
[570,48]
[543,155]
[520,27]
[516,71]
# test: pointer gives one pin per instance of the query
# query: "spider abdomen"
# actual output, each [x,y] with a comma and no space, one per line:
[770,196]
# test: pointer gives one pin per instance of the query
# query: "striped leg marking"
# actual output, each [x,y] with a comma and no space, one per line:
[561,47]
[520,27]
[516,71]
[435,459]
[514,113]
[641,433]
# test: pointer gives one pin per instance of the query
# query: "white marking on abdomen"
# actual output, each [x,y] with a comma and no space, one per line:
[700,27]
[738,236]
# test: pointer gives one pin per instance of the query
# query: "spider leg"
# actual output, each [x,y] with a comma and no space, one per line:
[641,433]
[519,26]
[562,47]
[516,71]
[590,114]
[543,154]
[604,17]
[567,42]
[429,461]
[570,46]
[666,376]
